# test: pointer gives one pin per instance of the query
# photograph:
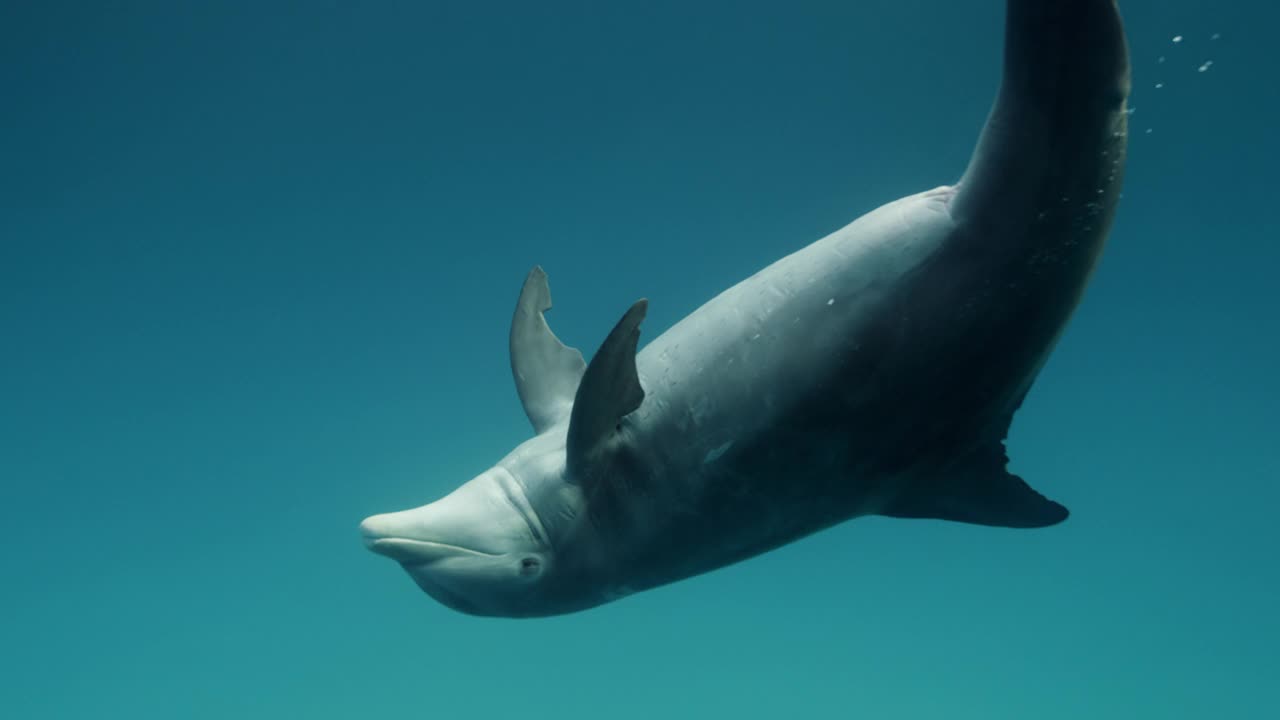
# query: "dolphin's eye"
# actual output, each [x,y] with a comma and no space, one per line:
[530,566]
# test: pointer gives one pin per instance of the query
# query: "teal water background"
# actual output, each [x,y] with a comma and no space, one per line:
[257,262]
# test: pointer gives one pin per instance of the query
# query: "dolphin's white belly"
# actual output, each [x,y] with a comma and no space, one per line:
[719,384]
[723,371]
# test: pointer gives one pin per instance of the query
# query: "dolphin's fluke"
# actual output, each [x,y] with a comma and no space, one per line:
[979,491]
[546,371]
[610,390]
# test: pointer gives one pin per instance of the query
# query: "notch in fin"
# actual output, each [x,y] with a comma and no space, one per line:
[982,492]
[610,389]
[546,371]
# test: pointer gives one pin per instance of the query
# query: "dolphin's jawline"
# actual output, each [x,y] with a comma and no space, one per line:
[429,551]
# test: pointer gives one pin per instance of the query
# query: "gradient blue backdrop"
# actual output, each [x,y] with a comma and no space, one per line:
[257,262]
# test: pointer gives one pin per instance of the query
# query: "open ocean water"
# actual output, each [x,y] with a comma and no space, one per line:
[257,264]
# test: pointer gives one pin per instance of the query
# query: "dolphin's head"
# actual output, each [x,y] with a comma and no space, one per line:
[516,540]
[483,549]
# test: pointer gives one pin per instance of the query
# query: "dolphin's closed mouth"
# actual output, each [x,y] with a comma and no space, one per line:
[418,552]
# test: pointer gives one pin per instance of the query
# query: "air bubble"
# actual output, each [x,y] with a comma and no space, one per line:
[1177,38]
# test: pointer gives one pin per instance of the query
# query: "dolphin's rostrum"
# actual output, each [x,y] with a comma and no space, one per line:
[875,371]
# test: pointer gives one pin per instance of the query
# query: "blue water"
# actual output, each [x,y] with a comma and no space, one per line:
[257,262]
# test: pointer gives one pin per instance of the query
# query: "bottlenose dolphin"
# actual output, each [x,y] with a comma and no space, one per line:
[874,372]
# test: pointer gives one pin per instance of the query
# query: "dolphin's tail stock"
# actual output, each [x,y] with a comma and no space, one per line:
[1036,201]
[1056,135]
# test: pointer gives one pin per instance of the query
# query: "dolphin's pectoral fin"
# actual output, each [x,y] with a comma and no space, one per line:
[610,389]
[547,372]
[981,492]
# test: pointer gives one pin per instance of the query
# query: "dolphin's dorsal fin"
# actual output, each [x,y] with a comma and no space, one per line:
[979,490]
[546,371]
[610,389]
